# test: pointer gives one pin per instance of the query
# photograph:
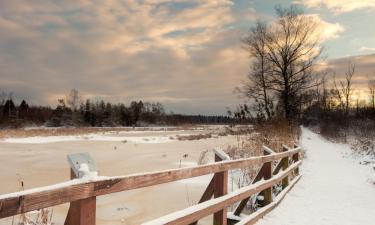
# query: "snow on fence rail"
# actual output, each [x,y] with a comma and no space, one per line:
[81,193]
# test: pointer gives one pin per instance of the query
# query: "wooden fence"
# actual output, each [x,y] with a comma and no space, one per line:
[81,194]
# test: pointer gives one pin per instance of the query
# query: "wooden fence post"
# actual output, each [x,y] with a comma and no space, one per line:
[295,158]
[285,165]
[220,188]
[267,174]
[81,212]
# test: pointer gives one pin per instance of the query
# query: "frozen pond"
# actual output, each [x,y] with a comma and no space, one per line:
[39,161]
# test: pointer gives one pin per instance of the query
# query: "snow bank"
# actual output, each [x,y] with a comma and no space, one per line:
[92,137]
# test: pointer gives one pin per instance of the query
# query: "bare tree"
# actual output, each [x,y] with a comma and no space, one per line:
[323,93]
[73,99]
[336,92]
[345,89]
[293,48]
[371,88]
[257,86]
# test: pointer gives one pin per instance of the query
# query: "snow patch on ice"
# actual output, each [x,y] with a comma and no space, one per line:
[202,180]
[90,137]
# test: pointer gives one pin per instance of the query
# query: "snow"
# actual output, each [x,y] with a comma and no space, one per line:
[334,189]
[142,135]
[201,180]
[90,137]
[86,173]
[231,216]
[85,179]
[186,164]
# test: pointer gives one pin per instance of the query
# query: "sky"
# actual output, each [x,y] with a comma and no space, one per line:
[186,54]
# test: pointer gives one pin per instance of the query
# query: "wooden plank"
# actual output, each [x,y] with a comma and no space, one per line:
[278,167]
[221,154]
[253,218]
[220,189]
[241,206]
[209,192]
[267,150]
[28,201]
[199,211]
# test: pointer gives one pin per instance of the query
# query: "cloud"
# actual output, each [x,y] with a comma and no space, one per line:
[179,52]
[339,6]
[184,53]
[364,69]
[326,30]
[366,49]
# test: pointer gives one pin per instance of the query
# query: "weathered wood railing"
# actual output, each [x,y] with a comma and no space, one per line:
[81,193]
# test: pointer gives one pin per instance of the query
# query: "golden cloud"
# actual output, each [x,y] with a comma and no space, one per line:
[326,30]
[339,6]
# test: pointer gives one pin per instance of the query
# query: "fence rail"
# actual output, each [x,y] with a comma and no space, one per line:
[82,193]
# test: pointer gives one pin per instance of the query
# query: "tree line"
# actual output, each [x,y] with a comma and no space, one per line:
[73,111]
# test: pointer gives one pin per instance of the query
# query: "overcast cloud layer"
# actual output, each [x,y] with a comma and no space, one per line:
[184,53]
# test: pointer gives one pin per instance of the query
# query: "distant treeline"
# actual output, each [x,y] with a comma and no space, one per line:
[72,111]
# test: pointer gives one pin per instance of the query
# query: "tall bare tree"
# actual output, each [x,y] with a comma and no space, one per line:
[257,86]
[293,48]
[284,55]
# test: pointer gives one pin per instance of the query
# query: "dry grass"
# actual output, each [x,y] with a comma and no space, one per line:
[37,217]
[273,134]
[193,137]
[68,131]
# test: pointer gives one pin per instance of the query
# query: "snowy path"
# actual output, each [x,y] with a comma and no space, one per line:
[333,189]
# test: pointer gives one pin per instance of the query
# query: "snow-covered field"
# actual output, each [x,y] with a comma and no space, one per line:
[144,135]
[334,189]
[91,137]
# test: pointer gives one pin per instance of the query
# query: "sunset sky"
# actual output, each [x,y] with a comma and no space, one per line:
[185,54]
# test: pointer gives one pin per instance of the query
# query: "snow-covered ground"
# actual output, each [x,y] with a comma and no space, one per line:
[138,135]
[92,137]
[334,188]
